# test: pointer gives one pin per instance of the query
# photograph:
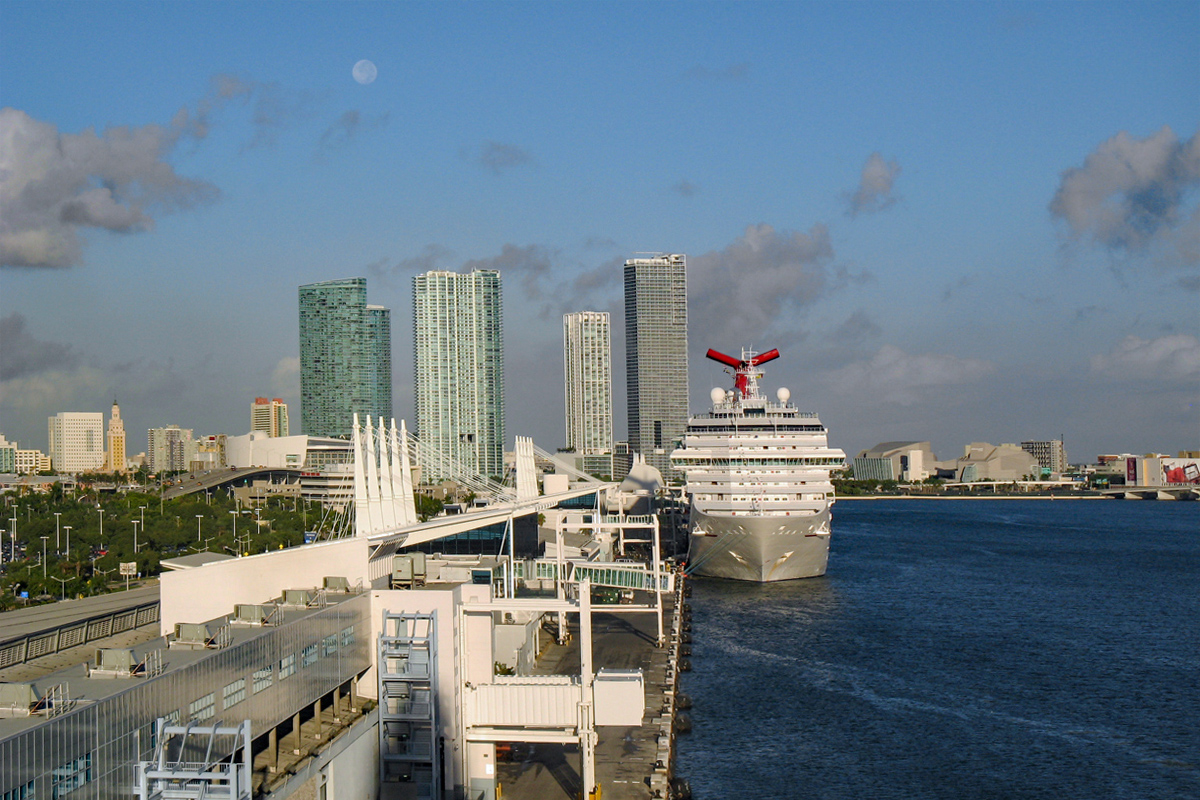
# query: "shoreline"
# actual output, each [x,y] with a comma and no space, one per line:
[840,498]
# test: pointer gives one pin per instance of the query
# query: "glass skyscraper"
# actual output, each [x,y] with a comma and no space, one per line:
[345,357]
[656,365]
[587,369]
[458,348]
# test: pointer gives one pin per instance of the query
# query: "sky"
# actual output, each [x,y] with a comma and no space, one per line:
[956,221]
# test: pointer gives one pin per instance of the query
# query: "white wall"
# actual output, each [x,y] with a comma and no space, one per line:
[203,593]
[353,774]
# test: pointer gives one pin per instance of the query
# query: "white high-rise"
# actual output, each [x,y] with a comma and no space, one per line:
[269,416]
[458,349]
[656,356]
[77,441]
[169,449]
[587,369]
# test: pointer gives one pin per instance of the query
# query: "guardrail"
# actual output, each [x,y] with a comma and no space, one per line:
[52,640]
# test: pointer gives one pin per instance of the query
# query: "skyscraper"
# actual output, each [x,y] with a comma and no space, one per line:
[269,416]
[169,449]
[458,348]
[656,365]
[345,357]
[77,441]
[587,369]
[115,457]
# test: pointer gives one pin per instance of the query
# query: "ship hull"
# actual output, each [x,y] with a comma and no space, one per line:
[758,548]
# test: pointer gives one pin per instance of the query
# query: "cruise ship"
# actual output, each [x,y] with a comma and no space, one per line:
[757,474]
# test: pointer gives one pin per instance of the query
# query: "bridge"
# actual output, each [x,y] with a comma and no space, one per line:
[226,477]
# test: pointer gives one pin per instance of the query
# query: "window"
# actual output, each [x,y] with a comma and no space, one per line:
[308,656]
[347,636]
[234,693]
[329,645]
[70,776]
[287,666]
[263,678]
[20,793]
[202,709]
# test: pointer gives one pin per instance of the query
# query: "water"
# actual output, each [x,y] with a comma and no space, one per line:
[959,649]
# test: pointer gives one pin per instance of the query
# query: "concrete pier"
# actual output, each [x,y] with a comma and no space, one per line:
[631,763]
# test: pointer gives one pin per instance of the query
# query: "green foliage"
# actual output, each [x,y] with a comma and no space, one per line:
[427,507]
[90,566]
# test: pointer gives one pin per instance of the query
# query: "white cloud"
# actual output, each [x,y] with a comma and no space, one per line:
[1132,192]
[893,376]
[285,379]
[1167,357]
[737,294]
[498,157]
[874,191]
[54,184]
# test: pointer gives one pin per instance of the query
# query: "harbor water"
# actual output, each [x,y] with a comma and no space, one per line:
[959,649]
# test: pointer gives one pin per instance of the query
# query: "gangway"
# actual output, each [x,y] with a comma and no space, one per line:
[214,776]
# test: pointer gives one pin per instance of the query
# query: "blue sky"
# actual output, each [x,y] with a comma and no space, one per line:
[961,221]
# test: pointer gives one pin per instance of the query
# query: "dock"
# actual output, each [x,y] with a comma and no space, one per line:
[633,763]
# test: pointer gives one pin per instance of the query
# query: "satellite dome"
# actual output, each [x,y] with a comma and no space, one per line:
[784,394]
[717,396]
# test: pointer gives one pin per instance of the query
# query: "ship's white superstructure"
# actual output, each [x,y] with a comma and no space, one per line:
[757,475]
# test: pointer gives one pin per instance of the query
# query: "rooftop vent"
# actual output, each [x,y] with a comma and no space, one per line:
[123,663]
[23,700]
[248,614]
[197,636]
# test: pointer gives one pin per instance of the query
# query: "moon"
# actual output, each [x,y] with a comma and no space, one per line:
[364,72]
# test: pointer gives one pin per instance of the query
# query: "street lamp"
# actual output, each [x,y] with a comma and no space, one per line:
[57,522]
[235,516]
[68,530]
[101,528]
[63,581]
[143,510]
[44,538]
[198,518]
[135,544]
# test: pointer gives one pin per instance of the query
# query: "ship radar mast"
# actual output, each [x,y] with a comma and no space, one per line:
[745,370]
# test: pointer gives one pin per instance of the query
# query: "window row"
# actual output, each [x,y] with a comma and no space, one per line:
[262,679]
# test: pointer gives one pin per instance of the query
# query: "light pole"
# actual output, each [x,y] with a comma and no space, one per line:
[101,528]
[135,544]
[14,558]
[143,510]
[68,530]
[235,516]
[198,518]
[44,538]
[63,581]
[57,523]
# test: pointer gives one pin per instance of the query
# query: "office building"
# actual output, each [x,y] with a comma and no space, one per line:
[1051,456]
[8,456]
[77,441]
[587,370]
[114,459]
[31,462]
[345,357]
[269,417]
[169,449]
[458,347]
[656,366]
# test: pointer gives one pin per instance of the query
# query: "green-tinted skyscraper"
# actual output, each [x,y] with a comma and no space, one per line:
[345,357]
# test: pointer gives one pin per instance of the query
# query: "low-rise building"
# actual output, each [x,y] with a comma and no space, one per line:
[895,461]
